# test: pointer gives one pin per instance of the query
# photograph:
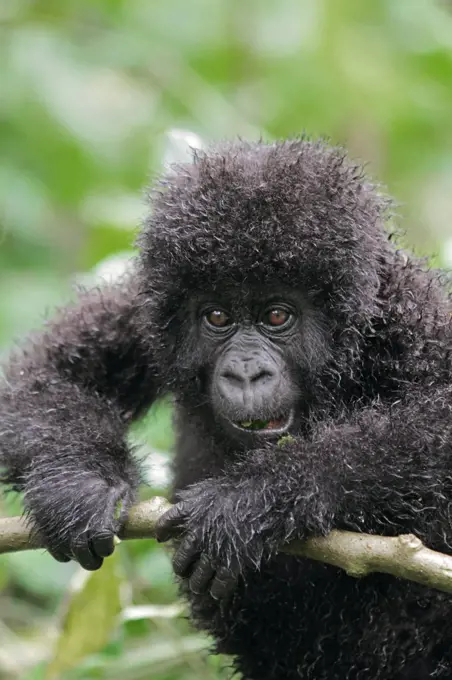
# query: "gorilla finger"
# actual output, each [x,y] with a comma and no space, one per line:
[59,555]
[171,522]
[102,544]
[82,553]
[202,575]
[224,584]
[187,553]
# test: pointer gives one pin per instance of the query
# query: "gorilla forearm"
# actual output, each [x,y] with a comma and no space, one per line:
[64,457]
[398,468]
[90,352]
[66,402]
[66,425]
[382,466]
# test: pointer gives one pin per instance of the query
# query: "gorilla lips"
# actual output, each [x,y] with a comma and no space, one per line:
[279,423]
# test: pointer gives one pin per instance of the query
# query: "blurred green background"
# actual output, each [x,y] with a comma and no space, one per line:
[95,97]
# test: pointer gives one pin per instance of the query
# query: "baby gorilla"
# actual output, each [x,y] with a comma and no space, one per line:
[310,364]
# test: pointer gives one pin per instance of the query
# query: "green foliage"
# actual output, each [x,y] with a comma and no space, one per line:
[90,618]
[95,96]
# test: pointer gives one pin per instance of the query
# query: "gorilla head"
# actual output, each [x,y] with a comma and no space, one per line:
[256,258]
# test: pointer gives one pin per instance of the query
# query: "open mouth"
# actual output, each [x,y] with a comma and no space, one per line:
[276,425]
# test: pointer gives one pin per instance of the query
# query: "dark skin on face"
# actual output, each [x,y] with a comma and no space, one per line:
[253,396]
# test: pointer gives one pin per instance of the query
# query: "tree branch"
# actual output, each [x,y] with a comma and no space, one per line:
[358,554]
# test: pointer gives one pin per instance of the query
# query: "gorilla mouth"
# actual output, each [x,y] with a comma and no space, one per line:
[273,425]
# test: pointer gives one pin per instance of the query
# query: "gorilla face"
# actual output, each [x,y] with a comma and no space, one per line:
[259,352]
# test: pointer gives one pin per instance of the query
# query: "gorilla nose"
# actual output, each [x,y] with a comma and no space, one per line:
[252,377]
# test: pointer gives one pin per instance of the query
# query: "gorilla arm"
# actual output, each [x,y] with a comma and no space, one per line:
[66,401]
[385,469]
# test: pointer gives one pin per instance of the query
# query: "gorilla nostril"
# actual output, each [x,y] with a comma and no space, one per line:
[233,377]
[264,374]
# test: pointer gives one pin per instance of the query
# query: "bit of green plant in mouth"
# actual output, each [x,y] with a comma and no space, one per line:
[259,424]
[254,424]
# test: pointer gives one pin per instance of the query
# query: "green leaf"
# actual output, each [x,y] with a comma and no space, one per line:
[286,439]
[91,617]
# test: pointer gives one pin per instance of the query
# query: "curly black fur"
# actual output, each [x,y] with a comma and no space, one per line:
[371,447]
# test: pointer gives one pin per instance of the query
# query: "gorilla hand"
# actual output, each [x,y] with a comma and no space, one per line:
[79,520]
[217,541]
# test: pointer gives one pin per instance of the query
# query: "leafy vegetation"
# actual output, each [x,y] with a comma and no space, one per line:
[96,95]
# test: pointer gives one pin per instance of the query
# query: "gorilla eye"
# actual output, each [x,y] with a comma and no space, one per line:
[218,318]
[277,317]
